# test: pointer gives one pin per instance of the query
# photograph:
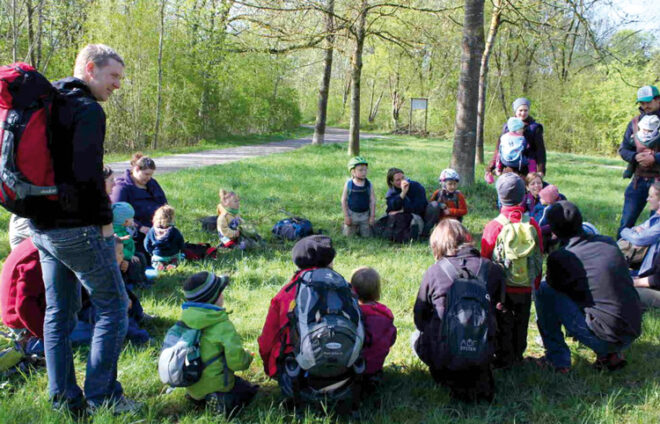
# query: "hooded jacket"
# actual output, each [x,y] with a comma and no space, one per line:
[218,335]
[78,134]
[144,201]
[380,335]
[22,292]
[163,242]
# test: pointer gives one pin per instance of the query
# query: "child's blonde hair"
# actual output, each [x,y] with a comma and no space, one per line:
[532,176]
[225,195]
[366,283]
[448,237]
[164,216]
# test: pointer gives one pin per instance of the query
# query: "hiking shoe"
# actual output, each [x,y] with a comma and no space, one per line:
[123,405]
[613,361]
[544,363]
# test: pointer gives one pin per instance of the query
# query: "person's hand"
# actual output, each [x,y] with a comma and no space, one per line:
[144,230]
[395,212]
[124,238]
[107,230]
[135,259]
[645,159]
[405,185]
[372,220]
[123,266]
[347,221]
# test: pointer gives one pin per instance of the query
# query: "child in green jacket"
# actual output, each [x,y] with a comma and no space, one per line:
[218,387]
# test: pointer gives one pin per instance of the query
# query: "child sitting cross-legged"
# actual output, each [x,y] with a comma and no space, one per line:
[379,329]
[232,231]
[451,201]
[164,241]
[204,310]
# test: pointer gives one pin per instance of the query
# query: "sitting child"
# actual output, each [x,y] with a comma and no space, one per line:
[358,201]
[204,310]
[379,329]
[232,230]
[163,241]
[451,201]
[131,264]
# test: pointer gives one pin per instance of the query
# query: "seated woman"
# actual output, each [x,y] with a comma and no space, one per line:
[138,187]
[648,286]
[644,235]
[406,200]
[452,248]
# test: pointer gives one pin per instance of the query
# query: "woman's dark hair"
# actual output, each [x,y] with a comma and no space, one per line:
[107,172]
[142,162]
[390,175]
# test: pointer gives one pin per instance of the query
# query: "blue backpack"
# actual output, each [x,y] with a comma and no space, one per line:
[467,335]
[293,228]
[512,151]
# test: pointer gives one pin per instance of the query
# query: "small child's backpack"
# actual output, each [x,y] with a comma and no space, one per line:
[326,325]
[468,326]
[180,363]
[27,176]
[293,228]
[512,150]
[11,352]
[517,251]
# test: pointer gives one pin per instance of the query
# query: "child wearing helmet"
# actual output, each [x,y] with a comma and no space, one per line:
[358,201]
[450,201]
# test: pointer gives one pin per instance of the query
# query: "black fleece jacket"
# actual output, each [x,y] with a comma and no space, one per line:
[78,131]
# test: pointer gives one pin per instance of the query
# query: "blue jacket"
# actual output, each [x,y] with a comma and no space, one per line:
[169,243]
[414,202]
[144,201]
[648,236]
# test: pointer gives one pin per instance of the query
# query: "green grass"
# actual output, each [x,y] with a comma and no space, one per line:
[308,182]
[219,143]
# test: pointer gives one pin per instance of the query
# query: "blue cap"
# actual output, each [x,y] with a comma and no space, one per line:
[647,93]
[121,211]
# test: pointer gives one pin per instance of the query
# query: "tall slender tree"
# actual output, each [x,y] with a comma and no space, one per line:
[324,90]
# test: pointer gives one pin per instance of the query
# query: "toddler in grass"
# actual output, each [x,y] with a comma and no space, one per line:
[451,201]
[358,201]
[232,230]
[204,310]
[380,332]
[164,241]
[132,264]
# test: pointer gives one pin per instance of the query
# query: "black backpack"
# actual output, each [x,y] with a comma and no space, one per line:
[467,334]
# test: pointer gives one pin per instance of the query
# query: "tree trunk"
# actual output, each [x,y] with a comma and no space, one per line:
[356,75]
[468,91]
[14,31]
[483,77]
[159,100]
[324,90]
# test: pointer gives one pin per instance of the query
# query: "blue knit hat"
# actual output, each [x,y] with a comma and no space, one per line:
[519,102]
[204,287]
[121,211]
[515,124]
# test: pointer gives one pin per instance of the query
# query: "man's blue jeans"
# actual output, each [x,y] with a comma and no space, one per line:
[553,309]
[634,202]
[69,256]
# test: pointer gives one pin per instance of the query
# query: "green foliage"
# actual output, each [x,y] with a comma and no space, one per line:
[309,182]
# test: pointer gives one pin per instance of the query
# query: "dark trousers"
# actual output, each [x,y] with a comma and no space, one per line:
[512,324]
[231,402]
[467,385]
[634,202]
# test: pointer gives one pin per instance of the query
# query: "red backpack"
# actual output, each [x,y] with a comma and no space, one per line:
[27,177]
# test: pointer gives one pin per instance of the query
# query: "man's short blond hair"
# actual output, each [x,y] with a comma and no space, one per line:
[100,54]
[448,237]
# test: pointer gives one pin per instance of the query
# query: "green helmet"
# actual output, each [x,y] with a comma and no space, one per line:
[355,161]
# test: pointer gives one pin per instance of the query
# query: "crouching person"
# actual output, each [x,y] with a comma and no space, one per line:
[315,359]
[589,291]
[458,351]
[220,346]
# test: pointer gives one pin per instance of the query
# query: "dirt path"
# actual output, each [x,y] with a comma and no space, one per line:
[178,162]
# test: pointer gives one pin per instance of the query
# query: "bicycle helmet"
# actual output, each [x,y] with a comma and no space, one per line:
[449,174]
[355,161]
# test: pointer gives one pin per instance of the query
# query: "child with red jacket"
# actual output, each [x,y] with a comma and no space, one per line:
[513,316]
[380,332]
[22,293]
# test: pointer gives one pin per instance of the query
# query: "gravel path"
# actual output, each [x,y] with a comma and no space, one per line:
[173,163]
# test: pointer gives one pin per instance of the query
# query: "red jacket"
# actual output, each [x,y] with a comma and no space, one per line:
[22,292]
[380,335]
[276,327]
[457,208]
[492,230]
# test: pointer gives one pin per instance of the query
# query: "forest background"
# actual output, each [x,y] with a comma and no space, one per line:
[206,69]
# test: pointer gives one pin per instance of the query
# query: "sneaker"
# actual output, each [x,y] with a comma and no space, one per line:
[612,361]
[544,363]
[123,405]
[76,407]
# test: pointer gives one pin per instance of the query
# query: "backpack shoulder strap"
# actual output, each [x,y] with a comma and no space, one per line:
[502,219]
[635,122]
[448,268]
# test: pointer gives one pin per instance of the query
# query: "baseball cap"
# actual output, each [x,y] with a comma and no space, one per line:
[647,93]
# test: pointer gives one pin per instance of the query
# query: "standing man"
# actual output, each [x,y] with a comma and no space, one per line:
[589,291]
[647,160]
[75,240]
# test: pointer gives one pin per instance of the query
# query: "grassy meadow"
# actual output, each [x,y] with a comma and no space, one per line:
[309,182]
